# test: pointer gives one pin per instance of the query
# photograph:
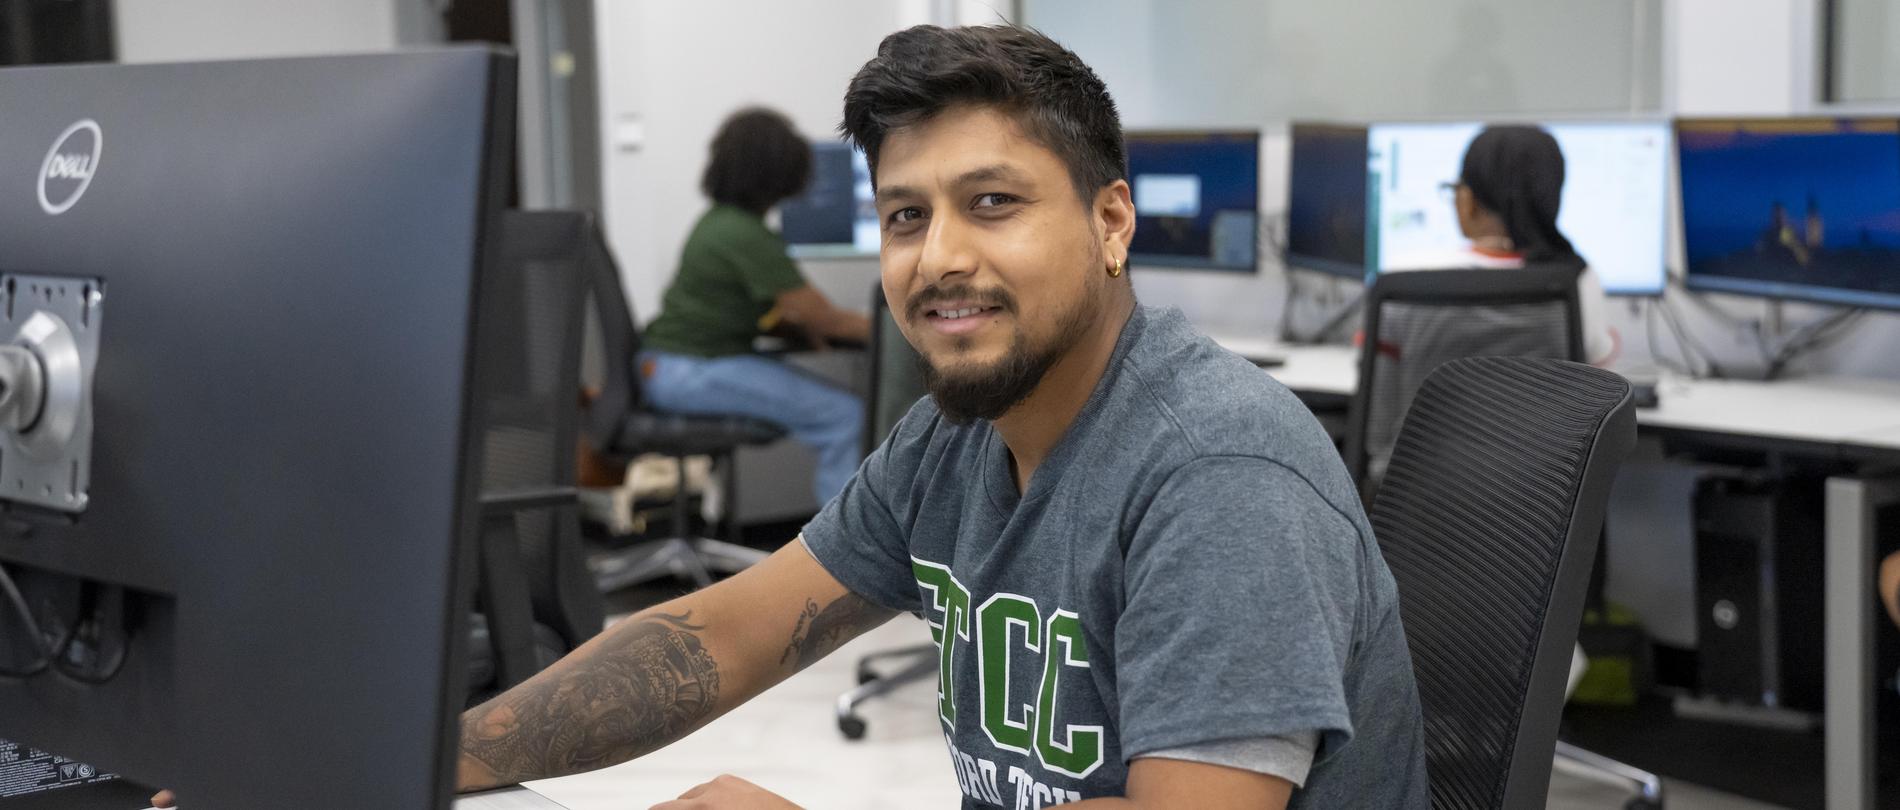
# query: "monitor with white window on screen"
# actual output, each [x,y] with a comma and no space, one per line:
[835,215]
[1799,209]
[1614,205]
[1197,199]
[1326,200]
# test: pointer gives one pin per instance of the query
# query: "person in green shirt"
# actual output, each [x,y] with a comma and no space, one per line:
[735,281]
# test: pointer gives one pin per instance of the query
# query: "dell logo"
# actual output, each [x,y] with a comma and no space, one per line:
[69,166]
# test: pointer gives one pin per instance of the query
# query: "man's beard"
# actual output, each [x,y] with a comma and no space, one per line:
[988,393]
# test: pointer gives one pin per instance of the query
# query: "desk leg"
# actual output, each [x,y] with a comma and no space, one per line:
[1851,503]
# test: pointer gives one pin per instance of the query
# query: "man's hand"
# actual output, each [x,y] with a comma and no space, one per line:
[164,799]
[813,314]
[728,793]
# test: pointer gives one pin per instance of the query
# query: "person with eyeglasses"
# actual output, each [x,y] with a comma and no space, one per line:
[1507,196]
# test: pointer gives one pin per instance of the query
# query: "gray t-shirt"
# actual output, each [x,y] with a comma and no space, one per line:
[1190,564]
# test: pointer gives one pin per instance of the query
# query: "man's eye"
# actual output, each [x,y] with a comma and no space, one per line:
[904,215]
[991,200]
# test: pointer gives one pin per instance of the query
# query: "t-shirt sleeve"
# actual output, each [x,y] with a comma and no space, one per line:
[764,268]
[858,538]
[1242,587]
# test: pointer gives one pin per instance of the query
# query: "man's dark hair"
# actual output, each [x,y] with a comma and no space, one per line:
[1047,89]
[757,160]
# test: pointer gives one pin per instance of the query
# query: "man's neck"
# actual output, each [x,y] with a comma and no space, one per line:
[1032,428]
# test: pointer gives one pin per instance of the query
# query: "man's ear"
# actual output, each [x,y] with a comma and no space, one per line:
[1114,212]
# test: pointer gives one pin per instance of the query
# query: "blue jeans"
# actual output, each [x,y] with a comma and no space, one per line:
[823,416]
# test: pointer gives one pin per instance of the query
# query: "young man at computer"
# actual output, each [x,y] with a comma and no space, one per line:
[1149,570]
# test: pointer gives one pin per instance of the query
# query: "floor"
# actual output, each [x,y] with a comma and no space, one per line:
[786,740]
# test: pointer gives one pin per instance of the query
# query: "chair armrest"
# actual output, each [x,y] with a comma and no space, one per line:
[514,500]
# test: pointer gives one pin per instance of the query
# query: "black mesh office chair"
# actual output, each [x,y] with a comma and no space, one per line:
[1489,518]
[897,382]
[620,426]
[1416,321]
[536,600]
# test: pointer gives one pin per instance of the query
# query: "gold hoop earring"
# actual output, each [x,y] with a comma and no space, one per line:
[1116,271]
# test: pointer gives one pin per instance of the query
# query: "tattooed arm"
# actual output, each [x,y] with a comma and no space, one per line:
[661,674]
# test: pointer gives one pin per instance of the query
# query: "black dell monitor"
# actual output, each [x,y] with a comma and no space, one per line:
[1197,200]
[238,302]
[1326,200]
[1797,209]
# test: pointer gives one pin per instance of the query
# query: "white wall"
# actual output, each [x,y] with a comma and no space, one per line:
[672,70]
[181,30]
[1217,63]
[1869,40]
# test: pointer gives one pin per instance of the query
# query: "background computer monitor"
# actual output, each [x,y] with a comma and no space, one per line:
[287,257]
[836,213]
[1197,199]
[1326,200]
[1805,209]
[1613,210]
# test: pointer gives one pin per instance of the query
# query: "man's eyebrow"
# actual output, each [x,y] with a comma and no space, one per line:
[995,172]
[990,173]
[891,194]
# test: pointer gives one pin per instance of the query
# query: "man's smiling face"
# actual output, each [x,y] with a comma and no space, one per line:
[992,264]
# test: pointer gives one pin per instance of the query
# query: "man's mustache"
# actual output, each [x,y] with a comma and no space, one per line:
[933,295]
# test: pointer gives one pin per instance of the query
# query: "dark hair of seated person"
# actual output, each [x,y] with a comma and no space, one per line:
[757,159]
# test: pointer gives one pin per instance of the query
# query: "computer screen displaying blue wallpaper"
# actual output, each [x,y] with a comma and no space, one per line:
[1806,209]
[1197,198]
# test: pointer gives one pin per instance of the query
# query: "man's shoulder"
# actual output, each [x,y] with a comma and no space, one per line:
[1203,400]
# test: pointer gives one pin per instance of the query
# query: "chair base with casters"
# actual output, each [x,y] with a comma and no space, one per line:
[684,554]
[1588,764]
[620,426]
[1579,762]
[924,661]
[896,384]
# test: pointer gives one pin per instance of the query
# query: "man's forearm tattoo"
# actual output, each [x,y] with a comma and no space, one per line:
[818,632]
[648,687]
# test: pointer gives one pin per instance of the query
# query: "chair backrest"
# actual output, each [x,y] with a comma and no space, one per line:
[897,378]
[1417,321]
[615,355]
[531,421]
[1489,521]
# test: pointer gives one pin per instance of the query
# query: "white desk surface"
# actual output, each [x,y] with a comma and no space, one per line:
[1828,410]
[515,798]
[1308,369]
[1885,438]
[1833,410]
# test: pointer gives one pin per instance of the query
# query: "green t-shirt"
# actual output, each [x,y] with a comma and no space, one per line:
[731,270]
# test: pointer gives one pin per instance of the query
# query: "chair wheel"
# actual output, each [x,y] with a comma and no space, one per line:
[853,727]
[1640,803]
